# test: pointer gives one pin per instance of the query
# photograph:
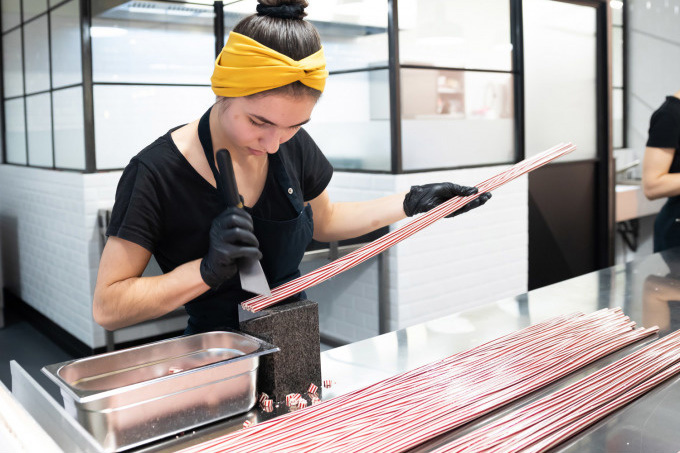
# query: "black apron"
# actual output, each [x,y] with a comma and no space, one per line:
[667,225]
[282,243]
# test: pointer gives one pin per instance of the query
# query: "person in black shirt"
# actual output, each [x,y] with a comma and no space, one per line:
[661,171]
[267,79]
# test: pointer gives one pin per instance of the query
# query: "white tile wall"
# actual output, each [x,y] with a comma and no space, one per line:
[46,245]
[453,265]
[51,246]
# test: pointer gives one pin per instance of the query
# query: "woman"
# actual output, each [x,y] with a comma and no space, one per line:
[267,79]
[661,171]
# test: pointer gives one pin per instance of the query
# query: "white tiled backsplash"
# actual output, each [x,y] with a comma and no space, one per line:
[51,247]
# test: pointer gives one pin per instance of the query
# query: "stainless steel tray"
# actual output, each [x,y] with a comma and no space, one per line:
[133,396]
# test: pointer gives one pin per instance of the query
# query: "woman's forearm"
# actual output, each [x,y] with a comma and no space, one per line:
[136,299]
[657,182]
[662,186]
[351,219]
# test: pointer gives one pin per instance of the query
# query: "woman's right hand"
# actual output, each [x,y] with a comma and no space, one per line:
[231,238]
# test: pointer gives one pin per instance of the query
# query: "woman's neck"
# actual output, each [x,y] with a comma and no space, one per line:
[219,138]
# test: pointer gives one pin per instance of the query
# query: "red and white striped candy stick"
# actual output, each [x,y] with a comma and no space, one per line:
[400,412]
[422,221]
[546,422]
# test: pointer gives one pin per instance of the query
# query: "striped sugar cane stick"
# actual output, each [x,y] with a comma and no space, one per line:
[546,422]
[396,397]
[565,433]
[379,245]
[395,443]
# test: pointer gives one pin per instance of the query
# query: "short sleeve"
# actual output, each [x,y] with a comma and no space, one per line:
[664,130]
[136,212]
[316,170]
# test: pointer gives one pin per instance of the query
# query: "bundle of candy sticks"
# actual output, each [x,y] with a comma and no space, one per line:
[558,416]
[379,245]
[404,411]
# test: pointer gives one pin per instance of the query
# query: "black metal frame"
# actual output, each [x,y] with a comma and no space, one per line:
[23,77]
[88,86]
[625,34]
[219,27]
[395,85]
[517,40]
[605,214]
[49,54]
[3,155]
[394,67]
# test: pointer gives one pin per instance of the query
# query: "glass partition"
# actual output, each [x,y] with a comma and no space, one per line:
[152,62]
[39,127]
[144,112]
[144,54]
[457,106]
[69,128]
[33,7]
[618,76]
[11,13]
[15,131]
[560,77]
[351,122]
[153,42]
[12,64]
[455,33]
[456,118]
[66,45]
[36,56]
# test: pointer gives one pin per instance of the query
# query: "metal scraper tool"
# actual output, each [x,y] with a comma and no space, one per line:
[250,271]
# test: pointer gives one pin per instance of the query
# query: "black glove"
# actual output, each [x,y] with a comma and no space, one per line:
[231,238]
[423,198]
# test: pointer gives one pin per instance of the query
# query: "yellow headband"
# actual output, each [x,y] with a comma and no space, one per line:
[246,67]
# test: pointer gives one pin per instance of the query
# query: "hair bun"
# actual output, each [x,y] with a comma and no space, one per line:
[287,10]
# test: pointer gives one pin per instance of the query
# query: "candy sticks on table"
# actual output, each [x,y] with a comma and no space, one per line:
[554,418]
[379,245]
[408,409]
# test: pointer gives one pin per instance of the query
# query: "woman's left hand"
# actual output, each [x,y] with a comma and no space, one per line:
[423,198]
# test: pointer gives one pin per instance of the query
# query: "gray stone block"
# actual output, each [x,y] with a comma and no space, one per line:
[294,328]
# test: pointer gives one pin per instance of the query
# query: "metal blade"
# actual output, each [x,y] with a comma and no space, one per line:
[253,278]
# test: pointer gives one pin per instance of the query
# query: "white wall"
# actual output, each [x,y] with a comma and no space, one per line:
[51,247]
[47,244]
[453,265]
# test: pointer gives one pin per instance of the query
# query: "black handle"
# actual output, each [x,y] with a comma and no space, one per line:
[227,179]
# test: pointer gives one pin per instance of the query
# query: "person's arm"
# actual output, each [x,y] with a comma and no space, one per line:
[656,181]
[338,221]
[123,298]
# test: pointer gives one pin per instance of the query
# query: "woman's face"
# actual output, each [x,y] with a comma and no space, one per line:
[257,125]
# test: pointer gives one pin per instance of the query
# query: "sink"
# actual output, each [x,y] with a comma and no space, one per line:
[631,202]
[629,182]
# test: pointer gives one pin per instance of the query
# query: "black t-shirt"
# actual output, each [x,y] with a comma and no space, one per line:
[164,205]
[664,129]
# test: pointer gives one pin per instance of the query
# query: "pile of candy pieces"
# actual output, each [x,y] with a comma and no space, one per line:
[294,401]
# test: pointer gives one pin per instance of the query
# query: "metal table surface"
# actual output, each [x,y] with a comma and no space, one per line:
[648,291]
